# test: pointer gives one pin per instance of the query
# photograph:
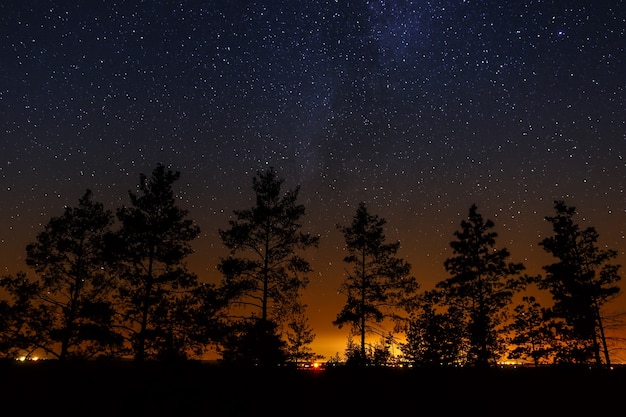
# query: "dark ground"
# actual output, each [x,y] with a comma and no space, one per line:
[196,389]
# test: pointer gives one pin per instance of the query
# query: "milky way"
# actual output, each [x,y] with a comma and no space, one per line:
[418,108]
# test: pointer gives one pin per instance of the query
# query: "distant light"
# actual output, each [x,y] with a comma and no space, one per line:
[26,358]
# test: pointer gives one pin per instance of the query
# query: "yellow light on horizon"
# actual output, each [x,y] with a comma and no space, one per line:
[26,358]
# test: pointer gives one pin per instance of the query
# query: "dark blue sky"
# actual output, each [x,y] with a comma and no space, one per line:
[418,108]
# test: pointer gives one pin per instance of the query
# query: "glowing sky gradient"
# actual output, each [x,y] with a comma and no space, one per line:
[418,108]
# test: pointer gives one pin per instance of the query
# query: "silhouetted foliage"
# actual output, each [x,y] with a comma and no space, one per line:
[155,285]
[254,343]
[532,333]
[379,285]
[207,323]
[299,337]
[23,320]
[74,317]
[356,356]
[434,337]
[481,287]
[580,282]
[376,354]
[105,293]
[380,353]
[269,273]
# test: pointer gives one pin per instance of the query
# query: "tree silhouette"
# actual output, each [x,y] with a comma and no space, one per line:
[24,321]
[379,285]
[434,337]
[481,286]
[269,273]
[355,355]
[299,337]
[381,352]
[531,332]
[253,343]
[581,282]
[152,244]
[74,286]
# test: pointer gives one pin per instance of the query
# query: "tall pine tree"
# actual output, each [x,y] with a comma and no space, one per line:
[74,285]
[153,242]
[581,282]
[481,286]
[265,270]
[379,285]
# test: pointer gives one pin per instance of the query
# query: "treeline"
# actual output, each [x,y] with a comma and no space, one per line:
[116,285]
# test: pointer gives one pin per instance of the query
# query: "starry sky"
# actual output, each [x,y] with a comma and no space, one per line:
[417,108]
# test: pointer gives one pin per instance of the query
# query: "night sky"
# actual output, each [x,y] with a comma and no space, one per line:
[417,108]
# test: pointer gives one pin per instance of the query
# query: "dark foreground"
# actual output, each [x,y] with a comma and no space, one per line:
[195,389]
